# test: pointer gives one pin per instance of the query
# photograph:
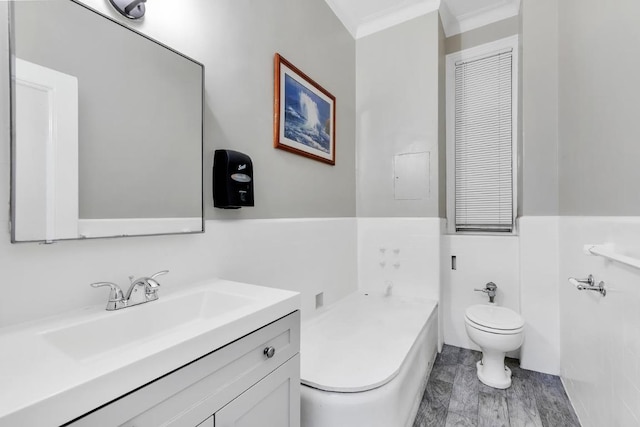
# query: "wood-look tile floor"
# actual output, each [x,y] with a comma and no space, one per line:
[455,397]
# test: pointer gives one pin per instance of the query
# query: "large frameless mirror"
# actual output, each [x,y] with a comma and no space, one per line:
[107,128]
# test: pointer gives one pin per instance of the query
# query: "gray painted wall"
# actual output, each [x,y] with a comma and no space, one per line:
[236,41]
[397,112]
[477,36]
[239,60]
[442,121]
[539,119]
[520,121]
[598,107]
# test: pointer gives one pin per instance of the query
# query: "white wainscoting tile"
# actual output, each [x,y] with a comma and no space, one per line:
[480,259]
[304,255]
[402,251]
[600,337]
[539,293]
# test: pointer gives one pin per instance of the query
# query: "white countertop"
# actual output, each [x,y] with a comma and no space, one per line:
[41,384]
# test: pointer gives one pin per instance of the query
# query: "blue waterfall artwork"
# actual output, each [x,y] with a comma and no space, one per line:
[307,117]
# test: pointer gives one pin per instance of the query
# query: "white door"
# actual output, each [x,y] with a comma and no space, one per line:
[272,402]
[46,153]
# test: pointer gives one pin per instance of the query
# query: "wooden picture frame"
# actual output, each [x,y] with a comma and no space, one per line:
[304,114]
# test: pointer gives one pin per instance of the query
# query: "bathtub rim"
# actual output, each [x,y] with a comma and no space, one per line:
[424,309]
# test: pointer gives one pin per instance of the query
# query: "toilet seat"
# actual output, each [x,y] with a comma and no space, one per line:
[494,319]
[474,325]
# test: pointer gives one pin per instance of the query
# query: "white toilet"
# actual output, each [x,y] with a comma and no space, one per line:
[496,330]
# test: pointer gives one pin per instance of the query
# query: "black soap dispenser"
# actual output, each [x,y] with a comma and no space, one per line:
[232,179]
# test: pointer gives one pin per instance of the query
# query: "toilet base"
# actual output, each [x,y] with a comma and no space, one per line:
[493,375]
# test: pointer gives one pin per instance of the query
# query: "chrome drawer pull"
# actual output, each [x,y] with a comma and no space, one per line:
[269,352]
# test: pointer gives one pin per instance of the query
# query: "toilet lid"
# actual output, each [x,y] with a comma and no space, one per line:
[495,317]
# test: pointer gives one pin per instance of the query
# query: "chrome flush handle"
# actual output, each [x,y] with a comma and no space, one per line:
[489,289]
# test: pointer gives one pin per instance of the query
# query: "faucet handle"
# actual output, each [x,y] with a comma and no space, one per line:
[152,285]
[115,294]
[159,273]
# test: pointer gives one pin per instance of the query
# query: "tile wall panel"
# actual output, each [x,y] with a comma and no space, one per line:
[600,337]
[404,252]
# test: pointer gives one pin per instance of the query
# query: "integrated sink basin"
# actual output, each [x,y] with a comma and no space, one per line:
[99,336]
[62,367]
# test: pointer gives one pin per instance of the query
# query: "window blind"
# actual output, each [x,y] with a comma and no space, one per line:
[484,143]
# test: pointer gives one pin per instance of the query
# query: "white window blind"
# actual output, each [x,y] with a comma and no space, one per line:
[484,143]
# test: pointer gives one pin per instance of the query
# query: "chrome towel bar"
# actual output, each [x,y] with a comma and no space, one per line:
[606,251]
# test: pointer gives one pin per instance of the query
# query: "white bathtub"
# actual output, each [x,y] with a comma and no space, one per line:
[365,361]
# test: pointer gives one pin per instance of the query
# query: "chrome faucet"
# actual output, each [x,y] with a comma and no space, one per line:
[141,290]
[490,289]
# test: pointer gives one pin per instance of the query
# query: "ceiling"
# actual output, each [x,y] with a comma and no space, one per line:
[364,17]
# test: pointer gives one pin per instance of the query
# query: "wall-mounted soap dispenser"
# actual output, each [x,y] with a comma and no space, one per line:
[232,180]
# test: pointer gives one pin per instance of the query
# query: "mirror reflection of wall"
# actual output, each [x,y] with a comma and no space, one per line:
[123,153]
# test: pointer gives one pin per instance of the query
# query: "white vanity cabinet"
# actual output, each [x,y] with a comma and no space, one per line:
[272,402]
[236,385]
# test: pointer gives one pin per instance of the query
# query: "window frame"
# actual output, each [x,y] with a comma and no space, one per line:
[479,52]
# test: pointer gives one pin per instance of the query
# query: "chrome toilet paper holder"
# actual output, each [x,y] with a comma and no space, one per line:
[589,284]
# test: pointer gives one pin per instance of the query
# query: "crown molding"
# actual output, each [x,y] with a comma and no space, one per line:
[394,16]
[459,24]
[383,19]
[346,20]
[360,27]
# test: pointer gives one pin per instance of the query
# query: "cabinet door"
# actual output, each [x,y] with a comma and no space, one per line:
[272,402]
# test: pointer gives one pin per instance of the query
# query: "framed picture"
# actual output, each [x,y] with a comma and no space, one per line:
[305,114]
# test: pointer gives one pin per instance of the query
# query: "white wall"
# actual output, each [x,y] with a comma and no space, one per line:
[525,269]
[480,259]
[304,255]
[403,251]
[600,337]
[539,293]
